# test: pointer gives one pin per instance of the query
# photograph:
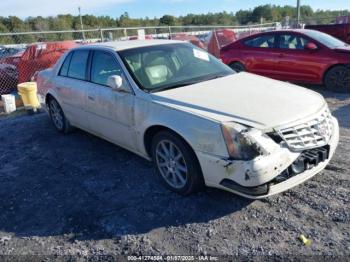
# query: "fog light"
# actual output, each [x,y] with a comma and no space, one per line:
[298,166]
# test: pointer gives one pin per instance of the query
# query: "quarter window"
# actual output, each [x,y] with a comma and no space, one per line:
[103,66]
[265,41]
[77,67]
[65,66]
[291,41]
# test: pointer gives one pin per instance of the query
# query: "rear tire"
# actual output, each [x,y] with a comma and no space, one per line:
[176,164]
[238,67]
[58,118]
[337,79]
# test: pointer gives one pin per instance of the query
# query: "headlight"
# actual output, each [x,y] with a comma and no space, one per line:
[239,146]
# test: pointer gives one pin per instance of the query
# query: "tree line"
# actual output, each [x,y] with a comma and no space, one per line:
[262,13]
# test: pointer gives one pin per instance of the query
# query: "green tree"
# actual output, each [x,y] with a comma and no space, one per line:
[244,16]
[262,12]
[269,13]
[167,20]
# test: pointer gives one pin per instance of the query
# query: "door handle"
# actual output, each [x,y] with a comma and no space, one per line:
[91,98]
[281,55]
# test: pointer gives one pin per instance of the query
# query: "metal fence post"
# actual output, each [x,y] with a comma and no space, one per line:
[101,34]
[169,28]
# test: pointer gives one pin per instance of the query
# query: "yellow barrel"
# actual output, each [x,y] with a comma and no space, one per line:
[28,93]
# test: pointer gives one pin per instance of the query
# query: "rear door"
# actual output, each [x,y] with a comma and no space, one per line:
[71,87]
[260,54]
[297,64]
[110,112]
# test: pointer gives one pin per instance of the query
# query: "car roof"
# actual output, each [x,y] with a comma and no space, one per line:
[296,30]
[302,31]
[130,44]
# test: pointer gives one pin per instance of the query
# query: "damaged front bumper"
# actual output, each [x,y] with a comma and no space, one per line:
[269,174]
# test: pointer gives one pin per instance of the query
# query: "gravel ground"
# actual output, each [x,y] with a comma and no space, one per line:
[79,195]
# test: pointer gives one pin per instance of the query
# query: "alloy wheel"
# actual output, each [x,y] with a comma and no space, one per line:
[171,164]
[56,114]
[340,79]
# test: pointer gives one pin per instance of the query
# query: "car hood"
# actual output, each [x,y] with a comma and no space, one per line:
[244,98]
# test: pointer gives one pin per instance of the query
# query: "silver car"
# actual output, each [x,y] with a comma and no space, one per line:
[195,118]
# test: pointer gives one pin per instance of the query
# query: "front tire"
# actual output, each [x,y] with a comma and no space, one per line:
[58,118]
[176,163]
[337,79]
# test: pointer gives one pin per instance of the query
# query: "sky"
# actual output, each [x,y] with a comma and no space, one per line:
[150,8]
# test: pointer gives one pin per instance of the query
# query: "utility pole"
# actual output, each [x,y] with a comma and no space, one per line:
[81,23]
[298,12]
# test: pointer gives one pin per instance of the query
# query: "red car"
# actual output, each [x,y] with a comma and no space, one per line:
[189,38]
[300,56]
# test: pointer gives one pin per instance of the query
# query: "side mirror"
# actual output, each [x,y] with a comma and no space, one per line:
[116,83]
[311,46]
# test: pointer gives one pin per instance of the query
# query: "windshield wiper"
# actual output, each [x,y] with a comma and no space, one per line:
[163,88]
[214,77]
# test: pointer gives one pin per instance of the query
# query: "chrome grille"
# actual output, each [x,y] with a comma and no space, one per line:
[313,133]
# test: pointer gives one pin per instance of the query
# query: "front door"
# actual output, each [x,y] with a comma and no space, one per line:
[110,112]
[297,64]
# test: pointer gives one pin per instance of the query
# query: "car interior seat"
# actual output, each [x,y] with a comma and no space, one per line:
[156,68]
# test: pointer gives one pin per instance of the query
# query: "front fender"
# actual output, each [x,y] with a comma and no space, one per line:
[203,135]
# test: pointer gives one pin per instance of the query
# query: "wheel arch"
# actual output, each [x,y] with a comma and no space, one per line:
[153,130]
[52,95]
[236,61]
[48,97]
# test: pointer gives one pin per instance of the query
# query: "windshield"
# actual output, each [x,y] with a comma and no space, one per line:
[160,67]
[327,40]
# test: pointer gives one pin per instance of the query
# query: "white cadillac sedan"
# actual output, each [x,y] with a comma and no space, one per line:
[196,119]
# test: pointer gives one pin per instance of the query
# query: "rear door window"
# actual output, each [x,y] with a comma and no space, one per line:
[292,41]
[65,65]
[77,67]
[264,41]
